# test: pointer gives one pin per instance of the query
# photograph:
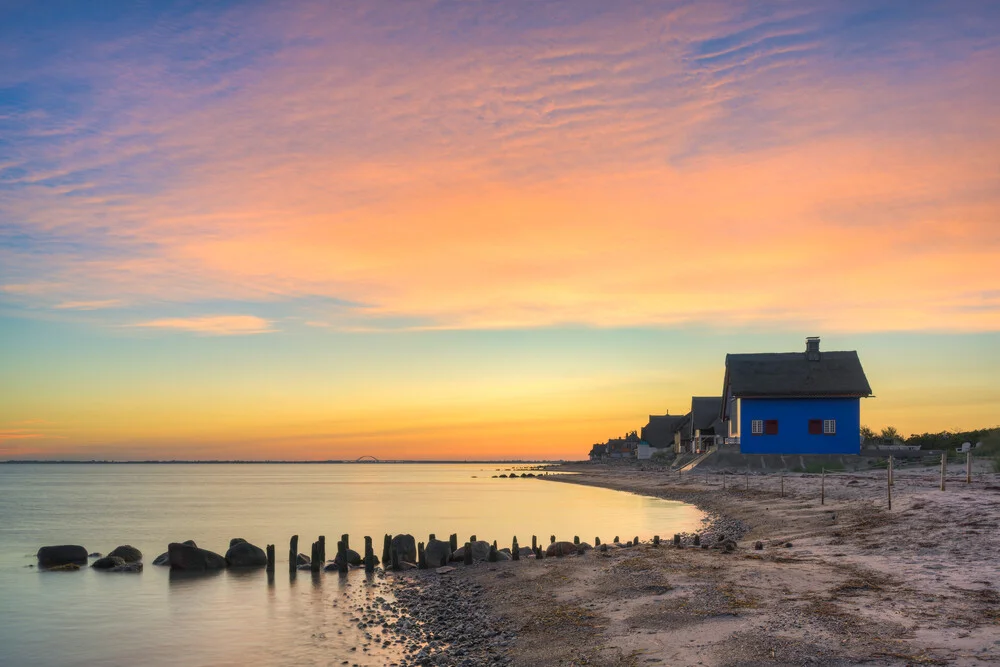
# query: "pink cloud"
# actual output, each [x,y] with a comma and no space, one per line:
[214,325]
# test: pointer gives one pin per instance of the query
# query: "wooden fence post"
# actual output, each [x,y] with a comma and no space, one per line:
[515,550]
[346,539]
[322,548]
[968,467]
[468,553]
[892,470]
[453,542]
[944,466]
[270,558]
[421,558]
[888,488]
[369,555]
[534,543]
[386,552]
[342,556]
[293,553]
[314,564]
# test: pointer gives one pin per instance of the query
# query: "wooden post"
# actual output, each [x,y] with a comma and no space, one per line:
[892,470]
[968,467]
[576,539]
[616,539]
[635,542]
[822,486]
[431,537]
[944,467]
[341,556]
[473,539]
[270,558]
[314,564]
[421,558]
[534,543]
[369,555]
[395,560]
[322,548]
[888,488]
[597,542]
[346,539]
[293,553]
[515,550]
[453,542]
[468,553]
[677,539]
[552,539]
[656,540]
[386,552]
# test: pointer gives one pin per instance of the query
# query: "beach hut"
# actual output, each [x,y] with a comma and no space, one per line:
[795,402]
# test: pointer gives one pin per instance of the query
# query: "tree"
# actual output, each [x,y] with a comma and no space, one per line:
[867,433]
[889,433]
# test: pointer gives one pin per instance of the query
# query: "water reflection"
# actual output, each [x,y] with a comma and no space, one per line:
[187,578]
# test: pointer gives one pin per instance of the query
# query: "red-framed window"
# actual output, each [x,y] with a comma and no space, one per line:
[770,427]
[815,427]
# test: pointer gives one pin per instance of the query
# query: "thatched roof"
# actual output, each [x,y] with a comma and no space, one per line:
[792,374]
[704,412]
[659,432]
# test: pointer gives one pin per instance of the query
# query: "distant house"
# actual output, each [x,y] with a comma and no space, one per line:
[623,448]
[665,431]
[598,452]
[705,428]
[795,402]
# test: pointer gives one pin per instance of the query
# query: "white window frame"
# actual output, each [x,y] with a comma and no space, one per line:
[757,427]
[829,427]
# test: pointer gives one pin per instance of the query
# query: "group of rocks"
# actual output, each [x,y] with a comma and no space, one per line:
[514,475]
[178,556]
[69,557]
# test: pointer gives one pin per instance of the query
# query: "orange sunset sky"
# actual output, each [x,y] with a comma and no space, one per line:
[315,230]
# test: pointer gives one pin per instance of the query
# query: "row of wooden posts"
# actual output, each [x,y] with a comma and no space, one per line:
[890,478]
[391,559]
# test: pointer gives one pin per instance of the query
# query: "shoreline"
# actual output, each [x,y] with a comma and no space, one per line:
[842,582]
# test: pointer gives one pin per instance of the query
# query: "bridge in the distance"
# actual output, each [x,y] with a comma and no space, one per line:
[367,459]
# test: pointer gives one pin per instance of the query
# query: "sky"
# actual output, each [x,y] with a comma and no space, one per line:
[469,230]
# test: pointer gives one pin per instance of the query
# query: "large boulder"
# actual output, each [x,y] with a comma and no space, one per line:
[185,557]
[63,554]
[302,559]
[406,547]
[236,540]
[128,567]
[437,552]
[560,549]
[353,558]
[108,562]
[244,554]
[128,553]
[164,558]
[480,551]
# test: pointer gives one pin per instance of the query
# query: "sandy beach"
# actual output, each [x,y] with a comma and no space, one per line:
[838,583]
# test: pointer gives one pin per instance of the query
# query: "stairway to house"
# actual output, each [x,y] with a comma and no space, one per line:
[690,465]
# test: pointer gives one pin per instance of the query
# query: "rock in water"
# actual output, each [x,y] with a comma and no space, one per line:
[68,567]
[353,558]
[128,553]
[437,553]
[244,554]
[406,547]
[302,559]
[185,557]
[108,562]
[236,540]
[162,559]
[63,554]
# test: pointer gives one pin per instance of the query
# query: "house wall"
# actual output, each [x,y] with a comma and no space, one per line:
[793,415]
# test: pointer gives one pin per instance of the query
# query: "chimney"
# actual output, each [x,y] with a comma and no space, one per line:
[812,348]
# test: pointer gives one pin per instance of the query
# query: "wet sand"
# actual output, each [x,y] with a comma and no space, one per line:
[845,582]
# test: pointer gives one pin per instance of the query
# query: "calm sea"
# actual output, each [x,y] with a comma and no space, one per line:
[232,618]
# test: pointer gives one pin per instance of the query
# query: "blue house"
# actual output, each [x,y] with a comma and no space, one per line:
[795,402]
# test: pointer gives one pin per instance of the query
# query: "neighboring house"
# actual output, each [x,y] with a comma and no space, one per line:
[665,431]
[705,428]
[623,448]
[598,452]
[796,402]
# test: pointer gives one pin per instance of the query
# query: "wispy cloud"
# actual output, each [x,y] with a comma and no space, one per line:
[214,325]
[483,166]
[88,305]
